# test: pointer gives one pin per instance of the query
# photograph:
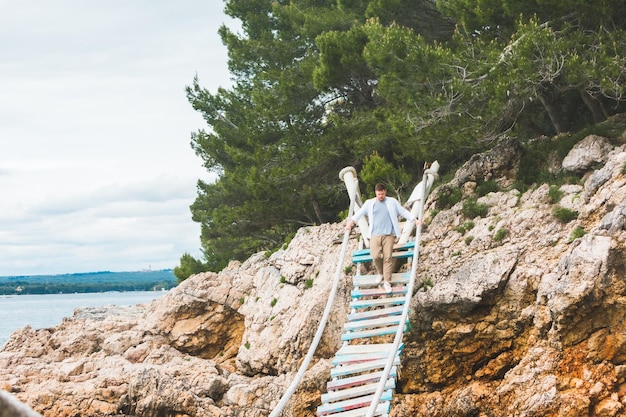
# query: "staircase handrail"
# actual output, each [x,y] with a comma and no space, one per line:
[322,325]
[405,310]
[420,189]
[349,177]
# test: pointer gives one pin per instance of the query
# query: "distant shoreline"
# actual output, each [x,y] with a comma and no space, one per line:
[88,282]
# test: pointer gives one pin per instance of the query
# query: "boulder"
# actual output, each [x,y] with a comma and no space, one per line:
[591,151]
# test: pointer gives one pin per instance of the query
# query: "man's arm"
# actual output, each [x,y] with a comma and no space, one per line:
[405,213]
[352,220]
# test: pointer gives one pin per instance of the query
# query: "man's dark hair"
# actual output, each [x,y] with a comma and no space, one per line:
[380,187]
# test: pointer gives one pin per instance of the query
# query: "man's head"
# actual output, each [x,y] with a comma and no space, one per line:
[381,191]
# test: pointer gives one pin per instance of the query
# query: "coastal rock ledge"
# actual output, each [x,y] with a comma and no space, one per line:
[519,313]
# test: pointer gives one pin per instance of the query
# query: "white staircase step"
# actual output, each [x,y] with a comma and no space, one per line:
[372,280]
[370,333]
[372,323]
[400,254]
[381,410]
[359,391]
[376,302]
[377,292]
[380,312]
[370,348]
[358,358]
[350,404]
[351,381]
[351,354]
[345,370]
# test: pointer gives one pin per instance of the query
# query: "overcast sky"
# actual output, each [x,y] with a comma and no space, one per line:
[96,168]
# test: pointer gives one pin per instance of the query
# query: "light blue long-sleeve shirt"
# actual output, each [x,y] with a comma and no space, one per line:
[394,208]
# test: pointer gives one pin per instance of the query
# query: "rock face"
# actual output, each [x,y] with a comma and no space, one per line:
[222,344]
[519,314]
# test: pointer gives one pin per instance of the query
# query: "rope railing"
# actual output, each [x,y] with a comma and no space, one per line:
[282,403]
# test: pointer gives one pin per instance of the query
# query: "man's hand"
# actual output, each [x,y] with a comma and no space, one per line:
[349,224]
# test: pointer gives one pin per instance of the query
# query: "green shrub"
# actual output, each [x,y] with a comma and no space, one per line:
[460,229]
[624,168]
[308,283]
[576,233]
[188,266]
[347,270]
[500,234]
[447,197]
[270,252]
[487,187]
[273,302]
[535,156]
[555,194]
[472,208]
[520,186]
[564,215]
[427,283]
[468,240]
[468,225]
[283,279]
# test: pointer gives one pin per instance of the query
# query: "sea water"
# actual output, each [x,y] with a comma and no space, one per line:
[48,310]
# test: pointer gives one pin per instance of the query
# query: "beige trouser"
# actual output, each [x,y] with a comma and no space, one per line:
[381,248]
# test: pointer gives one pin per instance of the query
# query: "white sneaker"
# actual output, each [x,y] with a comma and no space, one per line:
[379,279]
[387,286]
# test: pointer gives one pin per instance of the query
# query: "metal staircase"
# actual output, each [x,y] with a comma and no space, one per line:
[365,368]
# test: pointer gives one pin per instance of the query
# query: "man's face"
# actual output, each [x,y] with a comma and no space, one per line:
[380,194]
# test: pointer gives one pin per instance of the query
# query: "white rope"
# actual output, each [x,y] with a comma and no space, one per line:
[320,330]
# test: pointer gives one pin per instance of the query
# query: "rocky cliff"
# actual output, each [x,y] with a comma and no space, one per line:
[520,312]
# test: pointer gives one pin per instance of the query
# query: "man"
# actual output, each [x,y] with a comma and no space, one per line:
[384,230]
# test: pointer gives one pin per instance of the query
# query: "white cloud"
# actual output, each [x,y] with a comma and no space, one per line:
[129,227]
[96,168]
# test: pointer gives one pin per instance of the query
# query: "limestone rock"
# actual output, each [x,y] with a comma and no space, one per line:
[591,150]
[500,162]
[281,317]
[215,345]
